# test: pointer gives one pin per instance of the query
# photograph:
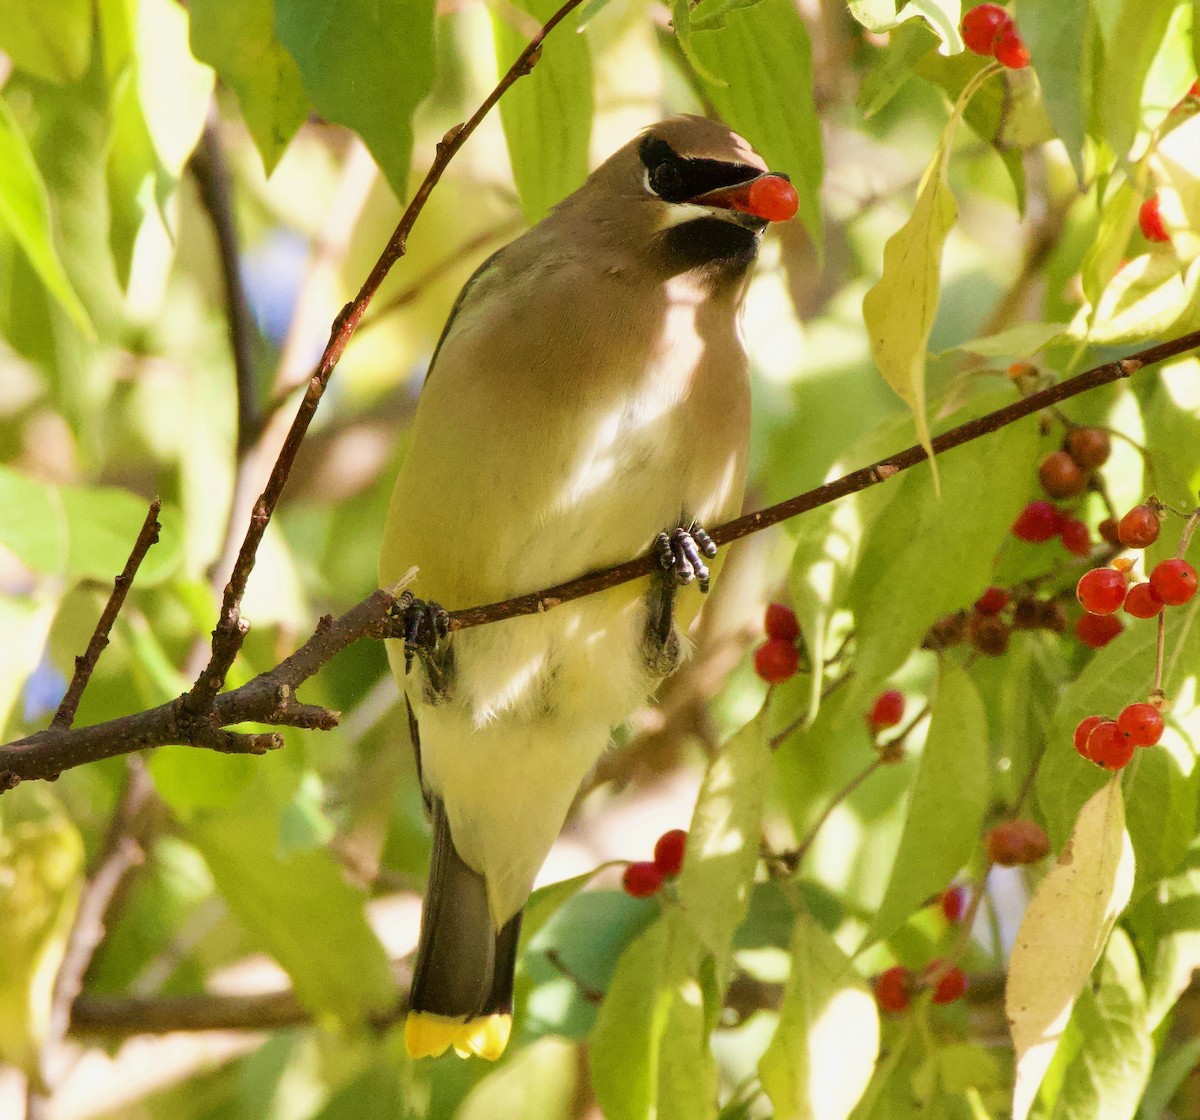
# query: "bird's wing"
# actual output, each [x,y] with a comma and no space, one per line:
[472,280]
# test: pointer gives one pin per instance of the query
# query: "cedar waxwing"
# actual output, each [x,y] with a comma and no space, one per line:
[588,400]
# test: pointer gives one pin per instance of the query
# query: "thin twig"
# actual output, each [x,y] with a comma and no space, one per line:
[231,629]
[85,664]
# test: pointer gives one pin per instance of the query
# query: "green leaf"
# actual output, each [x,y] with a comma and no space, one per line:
[1139,33]
[25,623]
[237,38]
[943,17]
[1063,933]
[1106,1078]
[51,41]
[545,902]
[301,911]
[1143,300]
[25,213]
[1017,342]
[367,65]
[1059,40]
[32,522]
[538,1083]
[687,1070]
[626,1043]
[42,855]
[940,832]
[1170,1072]
[821,1057]
[765,56]
[899,310]
[939,552]
[893,67]
[547,115]
[723,842]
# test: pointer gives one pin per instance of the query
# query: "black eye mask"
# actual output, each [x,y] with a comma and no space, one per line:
[676,179]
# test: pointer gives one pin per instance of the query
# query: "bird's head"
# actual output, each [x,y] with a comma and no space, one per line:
[691,194]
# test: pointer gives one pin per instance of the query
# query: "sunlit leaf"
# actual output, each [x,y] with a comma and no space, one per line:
[943,17]
[539,1083]
[1138,35]
[547,115]
[1063,933]
[51,41]
[940,833]
[823,1052]
[367,66]
[238,40]
[723,841]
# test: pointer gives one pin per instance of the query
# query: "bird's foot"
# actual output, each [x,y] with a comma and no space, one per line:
[681,552]
[423,624]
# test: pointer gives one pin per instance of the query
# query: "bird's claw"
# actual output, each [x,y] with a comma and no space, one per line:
[681,552]
[423,624]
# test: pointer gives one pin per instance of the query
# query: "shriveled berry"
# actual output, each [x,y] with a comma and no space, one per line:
[1101,591]
[1138,528]
[887,711]
[776,660]
[946,632]
[950,986]
[1150,221]
[1097,630]
[1011,50]
[781,622]
[1107,747]
[668,852]
[1142,602]
[1017,843]
[1038,521]
[643,879]
[1075,536]
[1089,447]
[1141,724]
[1108,531]
[988,634]
[1060,475]
[893,989]
[1052,616]
[982,27]
[1027,614]
[1085,727]
[992,601]
[954,904]
[1173,581]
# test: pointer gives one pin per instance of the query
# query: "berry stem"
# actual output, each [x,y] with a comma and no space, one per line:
[792,860]
[1156,693]
[1185,538]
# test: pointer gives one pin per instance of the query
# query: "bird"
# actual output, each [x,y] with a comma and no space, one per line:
[588,401]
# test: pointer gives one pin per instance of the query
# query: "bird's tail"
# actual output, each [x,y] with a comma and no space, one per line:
[463,981]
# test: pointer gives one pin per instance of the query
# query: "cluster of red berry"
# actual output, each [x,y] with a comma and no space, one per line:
[990,31]
[778,658]
[895,987]
[644,878]
[1064,474]
[1111,742]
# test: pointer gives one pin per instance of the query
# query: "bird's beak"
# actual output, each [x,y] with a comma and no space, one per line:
[770,196]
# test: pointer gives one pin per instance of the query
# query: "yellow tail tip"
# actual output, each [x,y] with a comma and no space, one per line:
[429,1036]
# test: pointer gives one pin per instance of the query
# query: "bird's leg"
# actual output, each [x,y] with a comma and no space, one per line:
[425,626]
[681,552]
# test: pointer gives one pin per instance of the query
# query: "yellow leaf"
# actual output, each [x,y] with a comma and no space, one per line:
[1063,934]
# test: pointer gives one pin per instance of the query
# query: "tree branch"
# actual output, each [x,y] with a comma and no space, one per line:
[86,663]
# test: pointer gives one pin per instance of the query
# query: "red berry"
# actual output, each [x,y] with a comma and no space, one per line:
[992,601]
[776,660]
[1108,531]
[641,880]
[1089,447]
[773,197]
[1075,536]
[887,711]
[1107,747]
[1150,221]
[954,904]
[1138,528]
[1086,726]
[1060,475]
[668,852]
[1101,591]
[1016,843]
[1141,724]
[1141,602]
[893,988]
[1173,581]
[982,27]
[781,622]
[1038,521]
[1011,50]
[951,986]
[1097,630]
